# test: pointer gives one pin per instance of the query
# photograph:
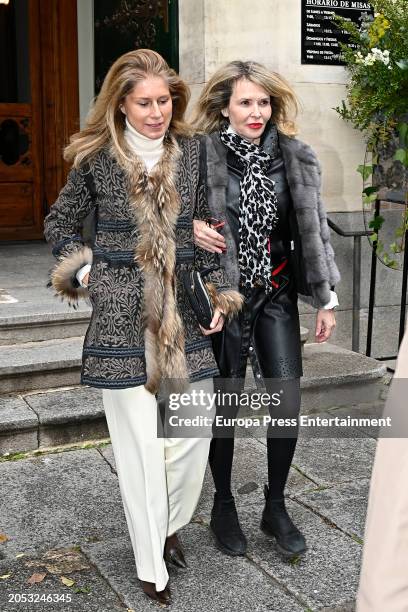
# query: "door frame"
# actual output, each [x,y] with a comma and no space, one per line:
[32,113]
[54,109]
[60,89]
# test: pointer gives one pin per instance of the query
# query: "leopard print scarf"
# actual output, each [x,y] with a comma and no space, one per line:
[258,210]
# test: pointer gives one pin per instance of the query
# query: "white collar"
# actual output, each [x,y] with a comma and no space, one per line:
[142,145]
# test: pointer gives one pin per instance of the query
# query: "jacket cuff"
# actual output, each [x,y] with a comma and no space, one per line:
[63,276]
[229,301]
[321,294]
[334,301]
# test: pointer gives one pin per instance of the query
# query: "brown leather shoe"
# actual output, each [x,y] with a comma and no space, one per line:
[173,552]
[163,597]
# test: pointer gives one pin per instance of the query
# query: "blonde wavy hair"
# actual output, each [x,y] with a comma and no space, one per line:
[105,123]
[217,92]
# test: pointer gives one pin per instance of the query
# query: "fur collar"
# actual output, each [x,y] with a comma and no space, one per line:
[155,205]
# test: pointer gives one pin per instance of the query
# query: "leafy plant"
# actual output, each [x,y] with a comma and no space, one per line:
[377,99]
[378,67]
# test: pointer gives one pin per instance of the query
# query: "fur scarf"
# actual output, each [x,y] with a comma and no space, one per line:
[155,206]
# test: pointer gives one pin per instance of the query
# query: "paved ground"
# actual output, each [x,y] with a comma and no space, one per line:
[62,522]
[62,518]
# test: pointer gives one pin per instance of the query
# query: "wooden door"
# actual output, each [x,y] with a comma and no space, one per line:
[39,109]
[21,194]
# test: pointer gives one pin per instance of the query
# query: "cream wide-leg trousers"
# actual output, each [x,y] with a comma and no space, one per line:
[160,479]
[384,573]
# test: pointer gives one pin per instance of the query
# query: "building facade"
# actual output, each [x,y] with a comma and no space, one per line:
[54,54]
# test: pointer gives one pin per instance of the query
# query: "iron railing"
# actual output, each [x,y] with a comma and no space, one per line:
[357,235]
[373,278]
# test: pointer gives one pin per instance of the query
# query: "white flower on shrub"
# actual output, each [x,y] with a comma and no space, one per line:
[381,56]
[374,56]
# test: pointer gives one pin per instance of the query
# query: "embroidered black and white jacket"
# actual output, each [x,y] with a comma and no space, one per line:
[123,293]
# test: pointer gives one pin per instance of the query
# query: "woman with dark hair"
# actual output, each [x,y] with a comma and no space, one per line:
[263,189]
[136,168]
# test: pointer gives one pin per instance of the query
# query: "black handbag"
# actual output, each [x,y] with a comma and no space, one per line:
[198,295]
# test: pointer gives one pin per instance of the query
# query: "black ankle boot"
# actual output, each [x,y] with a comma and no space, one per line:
[276,522]
[226,528]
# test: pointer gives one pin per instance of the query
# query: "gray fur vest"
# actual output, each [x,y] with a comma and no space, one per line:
[304,178]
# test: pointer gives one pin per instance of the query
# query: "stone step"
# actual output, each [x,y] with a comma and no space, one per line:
[37,328]
[40,365]
[50,363]
[47,319]
[304,335]
[331,374]
[37,316]
[333,377]
[51,418]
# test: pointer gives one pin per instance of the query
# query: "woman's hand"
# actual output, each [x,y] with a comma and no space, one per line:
[325,323]
[216,324]
[207,238]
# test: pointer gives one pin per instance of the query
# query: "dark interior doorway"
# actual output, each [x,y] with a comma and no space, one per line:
[123,25]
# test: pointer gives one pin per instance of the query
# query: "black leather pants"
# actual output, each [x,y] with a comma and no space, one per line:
[268,331]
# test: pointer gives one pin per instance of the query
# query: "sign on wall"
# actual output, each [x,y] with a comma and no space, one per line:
[320,35]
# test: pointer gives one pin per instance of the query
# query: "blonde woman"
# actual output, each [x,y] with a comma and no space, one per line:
[136,168]
[273,239]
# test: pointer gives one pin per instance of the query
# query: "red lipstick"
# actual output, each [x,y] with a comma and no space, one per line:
[255,126]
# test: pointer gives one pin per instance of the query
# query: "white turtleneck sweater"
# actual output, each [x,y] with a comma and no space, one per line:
[149,150]
[146,148]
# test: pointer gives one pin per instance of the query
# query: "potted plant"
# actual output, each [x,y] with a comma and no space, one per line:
[377,104]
